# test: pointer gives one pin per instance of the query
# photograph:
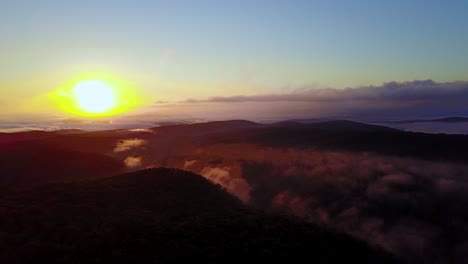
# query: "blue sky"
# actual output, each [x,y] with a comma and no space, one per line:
[197,49]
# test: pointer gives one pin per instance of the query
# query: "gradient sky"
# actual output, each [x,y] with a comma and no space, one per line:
[175,50]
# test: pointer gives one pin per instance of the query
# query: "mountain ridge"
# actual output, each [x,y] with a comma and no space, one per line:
[158,215]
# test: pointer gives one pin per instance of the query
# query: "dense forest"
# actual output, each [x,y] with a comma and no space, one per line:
[159,215]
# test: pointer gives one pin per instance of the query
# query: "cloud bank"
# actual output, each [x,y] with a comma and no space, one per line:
[392,100]
[426,90]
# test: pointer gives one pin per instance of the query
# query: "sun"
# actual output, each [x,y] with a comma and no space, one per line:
[94,97]
[97,95]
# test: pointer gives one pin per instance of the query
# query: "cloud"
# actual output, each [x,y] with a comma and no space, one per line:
[392,100]
[189,163]
[132,161]
[128,144]
[20,129]
[50,123]
[165,56]
[405,91]
[142,130]
[223,177]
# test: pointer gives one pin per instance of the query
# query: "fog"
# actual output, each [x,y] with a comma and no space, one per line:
[400,204]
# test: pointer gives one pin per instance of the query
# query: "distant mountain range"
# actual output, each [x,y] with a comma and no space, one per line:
[46,152]
[452,119]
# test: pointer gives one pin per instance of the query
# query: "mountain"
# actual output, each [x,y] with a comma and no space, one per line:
[28,163]
[43,157]
[206,128]
[451,119]
[159,216]
[373,182]
[350,136]
[9,138]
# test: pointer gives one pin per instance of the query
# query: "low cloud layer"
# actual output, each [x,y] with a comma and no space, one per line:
[400,204]
[47,123]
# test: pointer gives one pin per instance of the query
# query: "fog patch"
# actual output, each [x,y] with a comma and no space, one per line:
[128,144]
[222,176]
[400,204]
[133,162]
[142,130]
[189,163]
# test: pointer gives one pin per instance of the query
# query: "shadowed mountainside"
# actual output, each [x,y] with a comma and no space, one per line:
[28,164]
[158,215]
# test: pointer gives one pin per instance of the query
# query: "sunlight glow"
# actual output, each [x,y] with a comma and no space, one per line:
[94,96]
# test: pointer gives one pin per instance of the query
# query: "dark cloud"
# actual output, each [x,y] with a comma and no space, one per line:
[415,91]
[390,100]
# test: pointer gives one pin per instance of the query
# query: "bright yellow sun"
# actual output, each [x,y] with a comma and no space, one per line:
[94,97]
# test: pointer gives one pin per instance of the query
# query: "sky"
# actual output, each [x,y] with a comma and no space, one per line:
[174,51]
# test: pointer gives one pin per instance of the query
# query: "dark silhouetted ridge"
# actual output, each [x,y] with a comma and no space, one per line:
[68,131]
[158,216]
[206,128]
[287,123]
[350,126]
[351,136]
[450,119]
